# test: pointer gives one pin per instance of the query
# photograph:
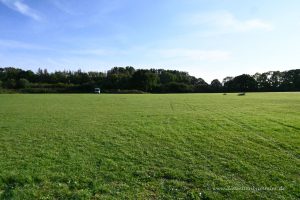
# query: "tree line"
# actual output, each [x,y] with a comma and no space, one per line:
[131,80]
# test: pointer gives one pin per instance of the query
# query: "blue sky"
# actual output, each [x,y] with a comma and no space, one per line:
[207,38]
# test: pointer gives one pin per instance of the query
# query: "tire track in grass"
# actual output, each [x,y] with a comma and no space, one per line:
[213,153]
[189,106]
[253,129]
[171,106]
[284,124]
[211,142]
[270,141]
[187,145]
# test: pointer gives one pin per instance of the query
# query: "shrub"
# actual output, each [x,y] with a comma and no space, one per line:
[124,91]
[23,83]
[175,87]
[10,84]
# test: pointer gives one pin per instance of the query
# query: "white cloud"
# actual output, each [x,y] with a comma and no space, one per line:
[21,7]
[62,6]
[225,20]
[195,54]
[98,52]
[13,44]
[168,54]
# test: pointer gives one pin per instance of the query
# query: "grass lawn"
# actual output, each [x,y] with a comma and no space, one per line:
[189,146]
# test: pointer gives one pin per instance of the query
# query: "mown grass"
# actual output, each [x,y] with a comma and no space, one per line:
[189,146]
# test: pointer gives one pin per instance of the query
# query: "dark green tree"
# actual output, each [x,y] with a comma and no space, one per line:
[244,83]
[175,87]
[167,77]
[216,85]
[145,80]
[23,83]
[263,83]
[10,84]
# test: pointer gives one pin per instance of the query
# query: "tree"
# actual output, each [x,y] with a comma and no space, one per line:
[275,79]
[151,80]
[228,84]
[216,85]
[244,83]
[201,85]
[227,79]
[262,80]
[43,76]
[167,77]
[10,84]
[175,87]
[290,80]
[119,78]
[297,79]
[23,83]
[144,80]
[29,75]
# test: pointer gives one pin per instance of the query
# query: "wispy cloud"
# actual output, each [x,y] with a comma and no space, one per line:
[21,7]
[97,52]
[13,44]
[63,6]
[94,8]
[195,54]
[225,20]
[178,54]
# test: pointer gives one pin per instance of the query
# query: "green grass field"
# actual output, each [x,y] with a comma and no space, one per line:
[181,146]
